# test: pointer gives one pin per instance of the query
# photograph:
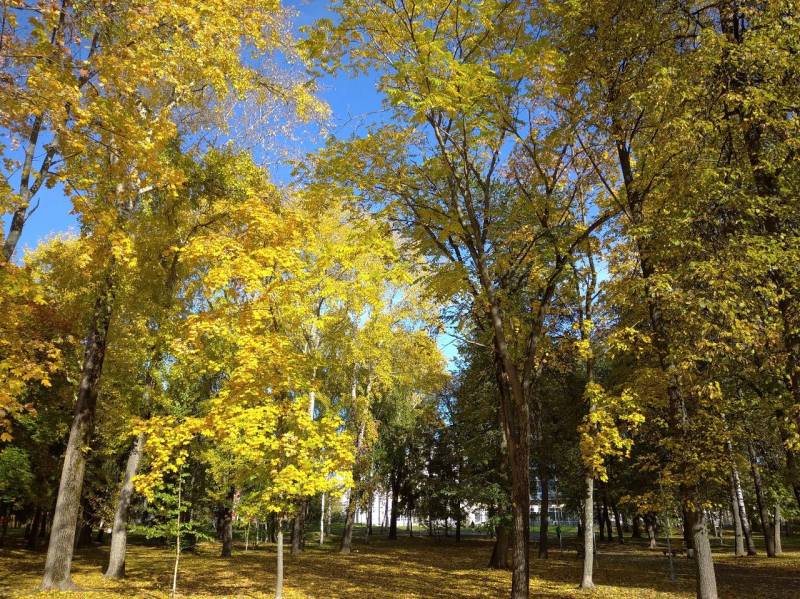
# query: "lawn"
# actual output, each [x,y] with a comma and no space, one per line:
[411,567]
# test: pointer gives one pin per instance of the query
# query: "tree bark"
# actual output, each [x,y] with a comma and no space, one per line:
[544,511]
[119,532]
[32,534]
[58,564]
[499,558]
[748,536]
[636,532]
[588,533]
[776,531]
[297,530]
[738,545]
[227,525]
[279,559]
[352,501]
[763,511]
[395,513]
[650,521]
[618,523]
[706,578]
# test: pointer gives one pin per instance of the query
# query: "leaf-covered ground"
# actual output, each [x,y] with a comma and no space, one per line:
[409,568]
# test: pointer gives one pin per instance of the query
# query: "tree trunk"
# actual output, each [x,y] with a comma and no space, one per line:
[618,523]
[738,545]
[349,519]
[369,514]
[636,532]
[279,559]
[227,525]
[606,517]
[395,513]
[499,559]
[33,534]
[763,511]
[352,500]
[322,520]
[119,532]
[748,536]
[544,511]
[650,521]
[706,579]
[58,564]
[588,534]
[601,524]
[776,531]
[297,530]
[688,534]
[458,524]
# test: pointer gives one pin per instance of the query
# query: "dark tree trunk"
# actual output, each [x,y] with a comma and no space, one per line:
[499,558]
[226,525]
[544,511]
[58,564]
[33,533]
[601,524]
[587,581]
[458,525]
[636,532]
[606,516]
[119,531]
[297,531]
[763,510]
[748,535]
[618,523]
[688,534]
[395,513]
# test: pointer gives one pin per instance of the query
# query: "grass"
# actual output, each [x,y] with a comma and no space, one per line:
[418,567]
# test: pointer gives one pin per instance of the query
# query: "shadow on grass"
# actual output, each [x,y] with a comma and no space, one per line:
[410,567]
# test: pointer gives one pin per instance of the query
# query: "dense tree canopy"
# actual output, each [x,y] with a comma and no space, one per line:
[595,204]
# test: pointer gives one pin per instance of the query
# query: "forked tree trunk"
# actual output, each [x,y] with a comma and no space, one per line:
[119,532]
[588,534]
[706,579]
[58,564]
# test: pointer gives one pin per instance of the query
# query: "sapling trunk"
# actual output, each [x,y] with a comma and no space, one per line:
[279,559]
[588,534]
